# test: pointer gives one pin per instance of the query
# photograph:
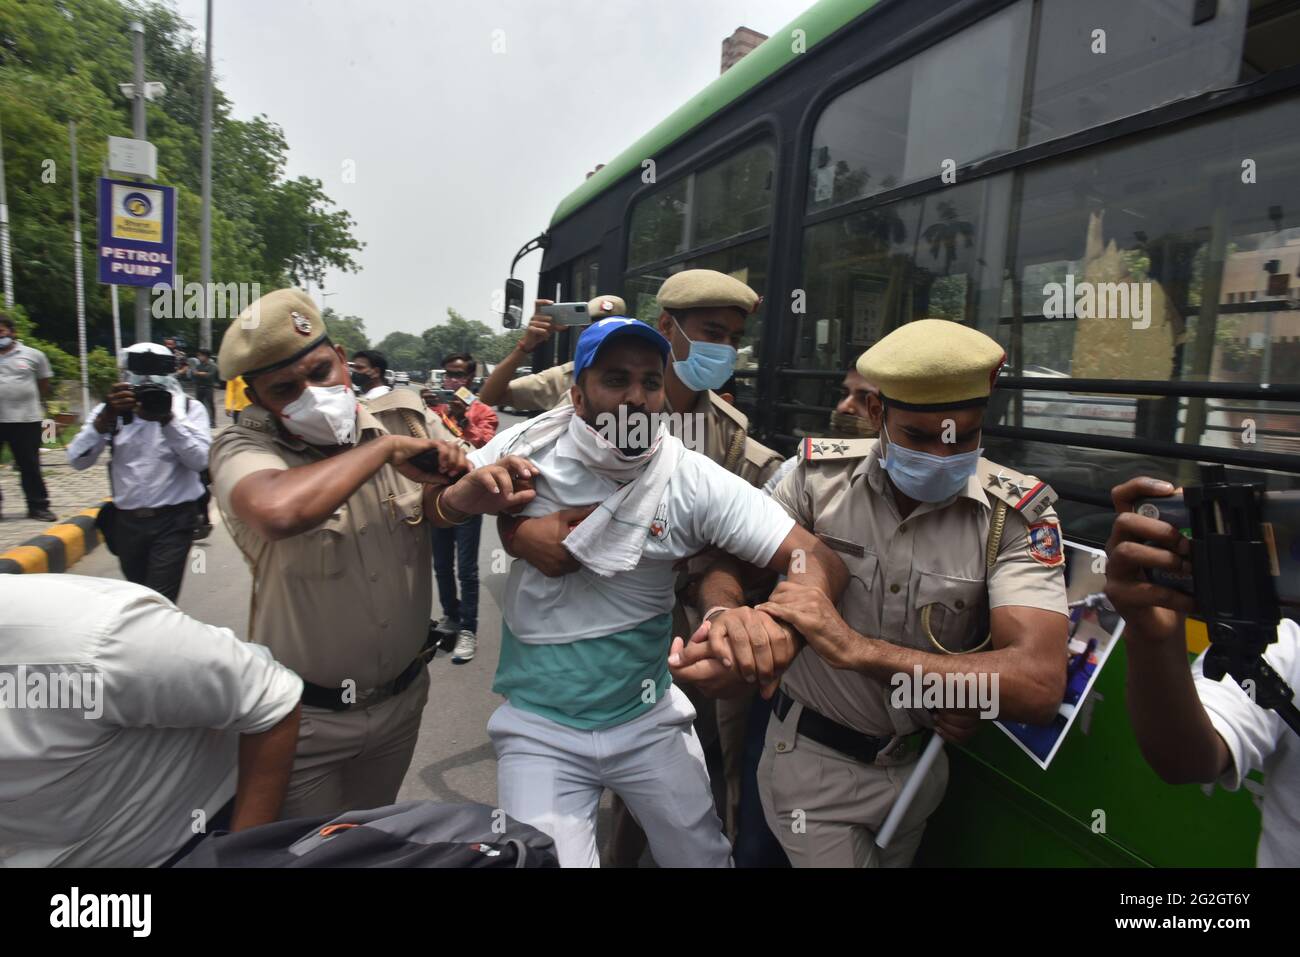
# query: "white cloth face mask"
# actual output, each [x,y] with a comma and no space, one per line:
[323,415]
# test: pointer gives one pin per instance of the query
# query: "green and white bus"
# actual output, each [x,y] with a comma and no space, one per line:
[980,160]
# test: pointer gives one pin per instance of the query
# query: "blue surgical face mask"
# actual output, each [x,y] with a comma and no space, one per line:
[708,365]
[925,477]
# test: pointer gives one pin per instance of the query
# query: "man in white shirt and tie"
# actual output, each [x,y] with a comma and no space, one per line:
[158,440]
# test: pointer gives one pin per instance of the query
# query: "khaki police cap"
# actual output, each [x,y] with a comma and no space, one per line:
[274,331]
[706,289]
[602,307]
[933,364]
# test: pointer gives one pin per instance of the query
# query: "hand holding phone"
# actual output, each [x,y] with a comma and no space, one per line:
[567,313]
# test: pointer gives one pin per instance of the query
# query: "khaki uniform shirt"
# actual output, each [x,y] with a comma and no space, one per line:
[541,391]
[350,598]
[935,557]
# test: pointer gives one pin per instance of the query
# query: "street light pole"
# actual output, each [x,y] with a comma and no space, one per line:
[4,232]
[77,271]
[143,332]
[205,228]
[310,227]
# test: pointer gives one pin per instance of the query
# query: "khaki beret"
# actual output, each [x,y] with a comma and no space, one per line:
[602,307]
[277,329]
[933,364]
[706,289]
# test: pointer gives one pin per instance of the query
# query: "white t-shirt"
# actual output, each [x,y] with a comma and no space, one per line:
[20,397]
[704,505]
[154,736]
[1259,740]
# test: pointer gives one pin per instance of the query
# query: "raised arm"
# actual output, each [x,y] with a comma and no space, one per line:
[497,386]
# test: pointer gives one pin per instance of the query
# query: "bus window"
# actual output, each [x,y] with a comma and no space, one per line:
[748,263]
[726,199]
[871,271]
[956,102]
[1105,59]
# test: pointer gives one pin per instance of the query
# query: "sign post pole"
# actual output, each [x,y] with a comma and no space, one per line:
[77,271]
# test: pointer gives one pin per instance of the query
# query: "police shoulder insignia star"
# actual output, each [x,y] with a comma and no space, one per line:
[833,449]
[1023,493]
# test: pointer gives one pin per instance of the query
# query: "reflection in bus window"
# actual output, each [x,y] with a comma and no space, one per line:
[1105,59]
[1169,257]
[726,199]
[956,101]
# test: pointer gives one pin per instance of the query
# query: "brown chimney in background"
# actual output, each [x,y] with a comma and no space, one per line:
[736,46]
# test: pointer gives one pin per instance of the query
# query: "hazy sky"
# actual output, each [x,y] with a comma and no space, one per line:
[461,153]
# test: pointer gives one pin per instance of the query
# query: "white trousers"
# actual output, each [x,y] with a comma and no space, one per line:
[551,777]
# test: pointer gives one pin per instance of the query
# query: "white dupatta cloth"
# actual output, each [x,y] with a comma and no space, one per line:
[611,538]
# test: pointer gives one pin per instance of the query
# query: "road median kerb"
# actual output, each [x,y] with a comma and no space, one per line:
[60,547]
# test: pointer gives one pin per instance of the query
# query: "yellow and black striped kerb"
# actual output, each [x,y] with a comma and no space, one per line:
[57,550]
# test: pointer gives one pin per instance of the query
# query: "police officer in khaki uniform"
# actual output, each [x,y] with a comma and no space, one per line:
[541,391]
[956,568]
[333,517]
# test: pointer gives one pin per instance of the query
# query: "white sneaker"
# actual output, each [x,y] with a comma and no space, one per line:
[466,645]
[447,626]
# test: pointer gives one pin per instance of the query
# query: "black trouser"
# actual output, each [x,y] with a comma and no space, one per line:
[204,398]
[24,440]
[152,548]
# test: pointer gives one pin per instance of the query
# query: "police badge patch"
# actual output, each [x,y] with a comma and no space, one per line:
[1045,543]
[301,324]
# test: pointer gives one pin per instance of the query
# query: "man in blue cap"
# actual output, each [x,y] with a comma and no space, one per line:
[584,657]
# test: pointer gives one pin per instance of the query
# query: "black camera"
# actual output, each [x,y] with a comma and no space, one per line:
[150,363]
[154,400]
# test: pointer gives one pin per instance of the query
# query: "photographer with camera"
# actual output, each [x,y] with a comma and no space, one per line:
[158,440]
[1191,728]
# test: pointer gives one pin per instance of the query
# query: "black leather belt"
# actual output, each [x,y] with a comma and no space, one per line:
[817,727]
[331,699]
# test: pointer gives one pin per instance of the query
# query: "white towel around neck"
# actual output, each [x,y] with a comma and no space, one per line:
[611,538]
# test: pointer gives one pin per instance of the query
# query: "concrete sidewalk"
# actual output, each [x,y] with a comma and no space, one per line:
[70,492]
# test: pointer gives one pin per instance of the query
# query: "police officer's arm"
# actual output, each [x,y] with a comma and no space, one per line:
[497,386]
[503,486]
[1026,650]
[1170,722]
[278,502]
[742,646]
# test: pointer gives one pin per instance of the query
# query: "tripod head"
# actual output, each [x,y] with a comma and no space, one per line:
[1234,566]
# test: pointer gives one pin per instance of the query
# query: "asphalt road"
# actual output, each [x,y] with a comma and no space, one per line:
[453,760]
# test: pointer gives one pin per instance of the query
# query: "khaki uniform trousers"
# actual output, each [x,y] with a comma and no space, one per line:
[352,760]
[825,807]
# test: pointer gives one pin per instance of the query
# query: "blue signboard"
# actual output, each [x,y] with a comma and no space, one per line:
[137,233]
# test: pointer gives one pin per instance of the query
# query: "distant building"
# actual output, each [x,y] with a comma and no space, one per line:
[736,46]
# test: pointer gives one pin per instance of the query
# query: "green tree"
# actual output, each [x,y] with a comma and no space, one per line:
[404,351]
[62,60]
[347,331]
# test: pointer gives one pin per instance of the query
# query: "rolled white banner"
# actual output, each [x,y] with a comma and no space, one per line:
[904,801]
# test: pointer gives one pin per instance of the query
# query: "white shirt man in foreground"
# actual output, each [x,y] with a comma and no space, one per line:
[584,656]
[128,729]
[1192,729]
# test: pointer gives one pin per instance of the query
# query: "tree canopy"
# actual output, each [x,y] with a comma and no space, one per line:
[62,60]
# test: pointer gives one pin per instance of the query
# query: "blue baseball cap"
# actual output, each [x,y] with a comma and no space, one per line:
[599,333]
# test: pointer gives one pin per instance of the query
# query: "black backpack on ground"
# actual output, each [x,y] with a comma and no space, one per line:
[411,834]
